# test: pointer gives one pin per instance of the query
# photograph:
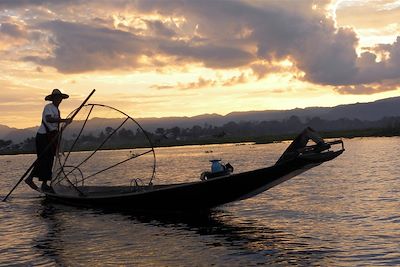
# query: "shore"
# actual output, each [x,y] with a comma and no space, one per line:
[252,139]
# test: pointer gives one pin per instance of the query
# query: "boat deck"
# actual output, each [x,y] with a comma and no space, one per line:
[93,191]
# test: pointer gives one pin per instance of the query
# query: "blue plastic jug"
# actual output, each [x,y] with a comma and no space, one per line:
[216,166]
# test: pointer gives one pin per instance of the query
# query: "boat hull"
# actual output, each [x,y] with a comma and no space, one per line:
[200,195]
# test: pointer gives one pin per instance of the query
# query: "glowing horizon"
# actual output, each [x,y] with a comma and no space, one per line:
[163,59]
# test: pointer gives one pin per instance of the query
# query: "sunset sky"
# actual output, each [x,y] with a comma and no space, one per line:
[155,58]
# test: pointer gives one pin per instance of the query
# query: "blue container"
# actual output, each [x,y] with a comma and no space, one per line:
[216,166]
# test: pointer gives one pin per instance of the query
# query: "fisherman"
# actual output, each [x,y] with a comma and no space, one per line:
[46,140]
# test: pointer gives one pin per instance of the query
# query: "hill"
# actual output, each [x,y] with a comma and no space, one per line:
[371,111]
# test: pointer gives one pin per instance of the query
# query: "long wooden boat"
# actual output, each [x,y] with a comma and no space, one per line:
[197,195]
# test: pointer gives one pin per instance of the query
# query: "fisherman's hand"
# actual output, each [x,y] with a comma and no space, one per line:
[67,121]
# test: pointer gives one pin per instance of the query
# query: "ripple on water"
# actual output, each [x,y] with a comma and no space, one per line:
[345,212]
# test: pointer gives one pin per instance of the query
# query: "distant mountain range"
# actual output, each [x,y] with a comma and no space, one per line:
[371,111]
[16,135]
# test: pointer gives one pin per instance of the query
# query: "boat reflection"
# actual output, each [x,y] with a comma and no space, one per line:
[217,237]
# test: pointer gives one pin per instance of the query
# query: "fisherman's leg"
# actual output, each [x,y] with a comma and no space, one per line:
[36,168]
[45,186]
[48,171]
[30,183]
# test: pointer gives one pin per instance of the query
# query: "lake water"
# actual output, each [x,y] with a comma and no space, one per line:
[343,213]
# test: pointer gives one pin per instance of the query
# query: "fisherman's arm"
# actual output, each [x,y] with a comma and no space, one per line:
[51,119]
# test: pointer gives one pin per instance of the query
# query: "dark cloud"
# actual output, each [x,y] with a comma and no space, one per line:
[263,70]
[12,35]
[326,55]
[80,48]
[219,34]
[361,89]
[279,30]
[12,30]
[159,29]
[25,3]
[372,70]
[327,58]
[210,55]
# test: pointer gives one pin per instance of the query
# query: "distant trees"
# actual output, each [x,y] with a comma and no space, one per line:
[4,143]
[109,138]
[254,129]
[7,146]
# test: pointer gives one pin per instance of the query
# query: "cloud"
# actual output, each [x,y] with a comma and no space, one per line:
[371,70]
[25,3]
[12,34]
[210,55]
[274,32]
[12,30]
[369,89]
[242,78]
[80,48]
[200,83]
[261,70]
[206,83]
[159,29]
[216,34]
[278,31]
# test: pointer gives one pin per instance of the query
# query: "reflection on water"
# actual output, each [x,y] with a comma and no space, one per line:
[195,239]
[345,212]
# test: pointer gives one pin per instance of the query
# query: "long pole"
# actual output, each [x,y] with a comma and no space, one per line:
[48,146]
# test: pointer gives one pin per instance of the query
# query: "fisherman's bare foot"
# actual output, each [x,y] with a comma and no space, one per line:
[45,187]
[31,184]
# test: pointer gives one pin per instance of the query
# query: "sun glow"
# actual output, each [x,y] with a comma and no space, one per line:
[167,59]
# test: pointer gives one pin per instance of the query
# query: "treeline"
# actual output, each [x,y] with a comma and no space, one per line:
[268,131]
[263,131]
[108,139]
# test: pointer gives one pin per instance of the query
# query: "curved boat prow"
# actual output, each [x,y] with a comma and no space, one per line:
[318,152]
[294,163]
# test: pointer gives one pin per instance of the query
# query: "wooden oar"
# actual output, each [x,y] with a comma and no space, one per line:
[48,146]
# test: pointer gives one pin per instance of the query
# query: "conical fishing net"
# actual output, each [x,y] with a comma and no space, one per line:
[102,148]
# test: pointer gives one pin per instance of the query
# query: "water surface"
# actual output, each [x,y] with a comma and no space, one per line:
[344,213]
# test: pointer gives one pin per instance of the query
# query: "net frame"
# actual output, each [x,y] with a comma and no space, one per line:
[57,178]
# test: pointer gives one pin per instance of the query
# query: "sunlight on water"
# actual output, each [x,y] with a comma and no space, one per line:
[345,212]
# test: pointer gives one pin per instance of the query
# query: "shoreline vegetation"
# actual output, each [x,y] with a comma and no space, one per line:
[260,132]
[7,148]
